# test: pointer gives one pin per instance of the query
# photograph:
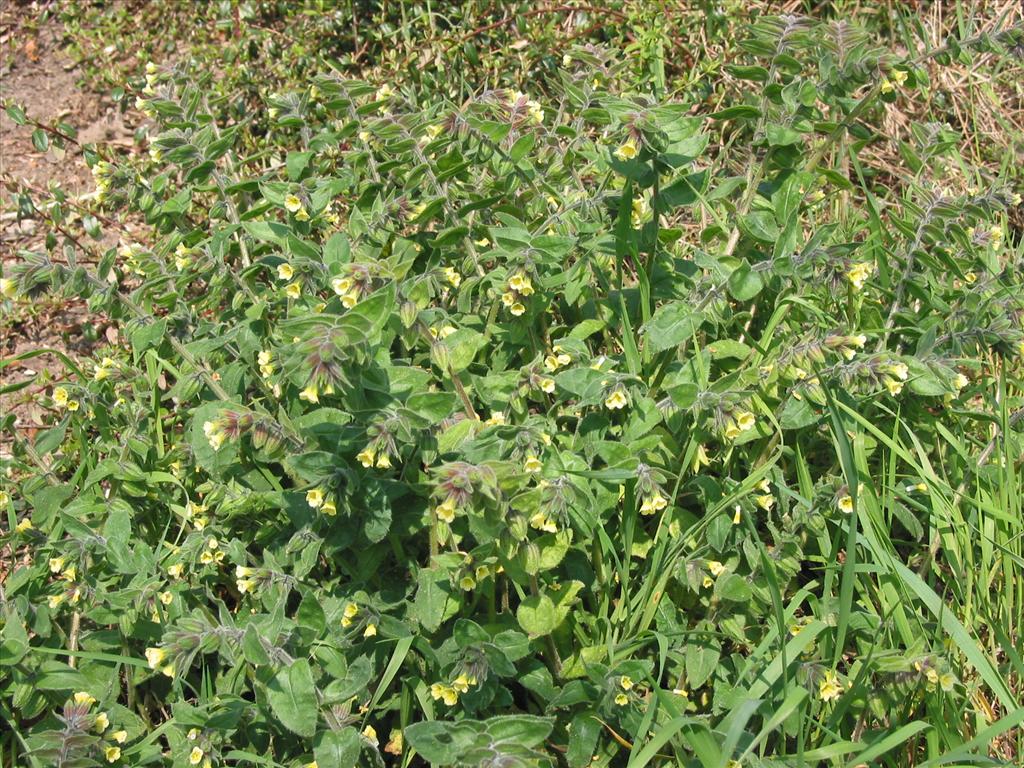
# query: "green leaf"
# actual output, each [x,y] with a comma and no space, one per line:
[745,283]
[582,739]
[463,346]
[292,698]
[40,140]
[337,749]
[296,163]
[538,616]
[739,112]
[432,406]
[442,743]
[701,658]
[148,336]
[781,136]
[671,325]
[797,414]
[435,602]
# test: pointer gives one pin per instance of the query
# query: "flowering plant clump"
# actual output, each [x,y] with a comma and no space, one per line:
[582,426]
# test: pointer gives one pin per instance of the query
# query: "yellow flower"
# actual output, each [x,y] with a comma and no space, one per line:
[60,396]
[508,298]
[894,386]
[315,498]
[496,420]
[396,745]
[349,300]
[215,435]
[384,461]
[206,558]
[285,271]
[542,522]
[24,525]
[113,754]
[899,76]
[311,394]
[69,574]
[626,682]
[715,567]
[370,631]
[707,582]
[195,756]
[680,692]
[547,385]
[745,420]
[700,459]
[845,504]
[533,464]
[627,151]
[55,600]
[84,697]
[899,370]
[370,734]
[351,611]
[166,597]
[463,682]
[617,400]
[520,282]
[445,511]
[56,564]
[366,456]
[467,582]
[101,723]
[341,285]
[960,381]
[445,693]
[155,657]
[119,736]
[622,699]
[887,86]
[859,272]
[830,688]
[245,585]
[293,290]
[640,210]
[8,288]
[72,405]
[452,276]
[652,504]
[329,508]
[765,502]
[737,517]
[293,203]
[517,309]
[302,215]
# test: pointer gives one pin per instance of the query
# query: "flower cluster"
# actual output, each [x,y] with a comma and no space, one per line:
[449,692]
[519,288]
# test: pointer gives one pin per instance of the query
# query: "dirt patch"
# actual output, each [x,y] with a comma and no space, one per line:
[37,75]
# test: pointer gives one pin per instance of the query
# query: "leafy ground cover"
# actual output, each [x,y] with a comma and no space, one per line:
[519,386]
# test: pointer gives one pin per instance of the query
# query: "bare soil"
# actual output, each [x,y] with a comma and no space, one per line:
[37,74]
